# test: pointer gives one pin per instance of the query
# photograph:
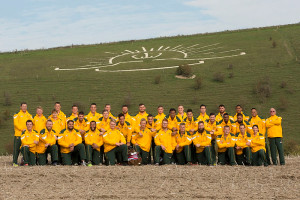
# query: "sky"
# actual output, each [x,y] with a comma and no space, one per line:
[35,24]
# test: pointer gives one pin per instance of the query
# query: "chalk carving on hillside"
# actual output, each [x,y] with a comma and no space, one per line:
[191,55]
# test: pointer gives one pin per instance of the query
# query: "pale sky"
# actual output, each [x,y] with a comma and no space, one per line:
[34,24]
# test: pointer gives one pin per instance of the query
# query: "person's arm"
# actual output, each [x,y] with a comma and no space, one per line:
[260,142]
[78,139]
[88,139]
[221,143]
[157,139]
[188,141]
[206,142]
[122,138]
[17,125]
[107,140]
[62,142]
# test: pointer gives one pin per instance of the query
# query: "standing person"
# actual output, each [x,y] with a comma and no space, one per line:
[60,114]
[104,121]
[47,144]
[80,123]
[258,148]
[181,114]
[142,114]
[39,121]
[108,108]
[160,116]
[190,121]
[226,143]
[203,116]
[125,128]
[30,139]
[128,117]
[240,120]
[154,126]
[173,121]
[93,115]
[222,111]
[93,142]
[226,122]
[20,119]
[183,147]
[273,124]
[243,150]
[74,113]
[58,124]
[239,110]
[211,126]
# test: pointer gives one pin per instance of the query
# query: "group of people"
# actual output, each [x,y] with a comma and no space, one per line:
[176,138]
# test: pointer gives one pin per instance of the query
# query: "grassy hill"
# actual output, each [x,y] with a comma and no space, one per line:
[271,63]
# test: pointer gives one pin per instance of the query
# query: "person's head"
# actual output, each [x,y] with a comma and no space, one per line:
[142,107]
[23,106]
[164,123]
[105,114]
[54,114]
[121,117]
[201,125]
[57,106]
[242,129]
[180,109]
[253,112]
[255,129]
[75,109]
[182,127]
[112,124]
[239,118]
[226,130]
[226,117]
[124,109]
[143,123]
[107,107]
[189,114]
[49,124]
[39,110]
[222,108]
[238,109]
[70,125]
[212,117]
[93,125]
[29,125]
[202,109]
[172,112]
[272,111]
[150,118]
[160,109]
[81,116]
[93,108]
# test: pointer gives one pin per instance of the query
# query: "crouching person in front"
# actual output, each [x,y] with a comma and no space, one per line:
[47,144]
[243,151]
[70,142]
[183,147]
[93,141]
[115,145]
[226,143]
[258,148]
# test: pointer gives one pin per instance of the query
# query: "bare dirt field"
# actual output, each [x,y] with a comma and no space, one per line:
[150,182]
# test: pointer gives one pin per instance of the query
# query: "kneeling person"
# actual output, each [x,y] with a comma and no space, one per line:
[93,142]
[258,148]
[226,143]
[243,151]
[183,147]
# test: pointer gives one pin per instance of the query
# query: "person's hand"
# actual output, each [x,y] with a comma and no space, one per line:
[192,130]
[95,146]
[55,137]
[47,145]
[197,145]
[35,142]
[212,132]
[221,141]
[248,143]
[238,148]
[177,146]
[153,130]
[102,130]
[23,130]
[140,133]
[101,133]
[128,144]
[174,129]
[118,144]
[174,133]
[163,147]
[118,128]
[82,131]
[121,143]
[25,146]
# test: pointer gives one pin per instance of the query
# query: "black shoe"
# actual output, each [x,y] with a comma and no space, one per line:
[54,163]
[125,163]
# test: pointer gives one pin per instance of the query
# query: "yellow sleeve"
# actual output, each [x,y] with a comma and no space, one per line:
[196,140]
[78,139]
[260,142]
[221,145]
[157,139]
[107,140]
[62,142]
[129,134]
[188,141]
[122,138]
[88,139]
[207,142]
[17,125]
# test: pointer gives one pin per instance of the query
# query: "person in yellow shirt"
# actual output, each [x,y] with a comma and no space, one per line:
[202,142]
[165,144]
[142,114]
[141,140]
[80,123]
[93,115]
[39,121]
[173,121]
[58,125]
[60,114]
[128,117]
[258,148]
[29,139]
[222,111]
[273,124]
[93,141]
[47,144]
[190,121]
[239,110]
[226,122]
[125,128]
[203,116]
[154,127]
[70,142]
[226,143]
[108,108]
[242,147]
[211,126]
[183,147]
[181,114]
[104,121]
[20,119]
[115,145]
[160,115]
[240,120]
[74,113]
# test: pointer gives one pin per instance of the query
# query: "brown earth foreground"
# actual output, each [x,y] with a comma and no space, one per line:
[150,182]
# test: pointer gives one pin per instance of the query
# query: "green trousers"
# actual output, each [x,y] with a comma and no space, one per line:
[121,151]
[16,151]
[276,146]
[204,158]
[152,152]
[92,155]
[166,156]
[213,151]
[29,157]
[227,157]
[184,156]
[144,154]
[259,158]
[68,158]
[42,157]
[245,157]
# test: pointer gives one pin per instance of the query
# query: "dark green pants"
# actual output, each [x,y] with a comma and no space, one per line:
[92,155]
[42,157]
[152,152]
[204,158]
[184,156]
[144,154]
[259,158]
[193,153]
[245,157]
[67,158]
[17,145]
[276,145]
[166,156]
[112,154]
[227,157]
[213,151]
[267,152]
[29,157]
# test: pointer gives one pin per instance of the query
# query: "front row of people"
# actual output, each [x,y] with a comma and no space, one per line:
[166,146]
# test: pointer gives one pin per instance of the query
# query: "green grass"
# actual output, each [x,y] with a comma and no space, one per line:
[28,76]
